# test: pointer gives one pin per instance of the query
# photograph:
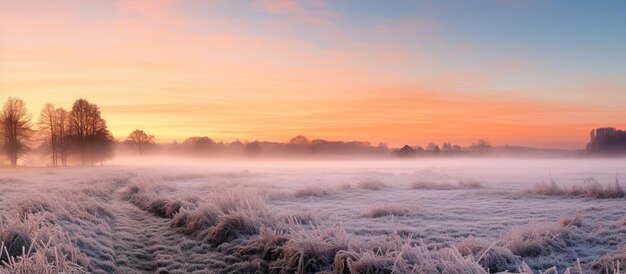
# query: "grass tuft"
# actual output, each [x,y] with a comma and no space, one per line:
[371,184]
[489,255]
[462,184]
[312,191]
[385,210]
[590,188]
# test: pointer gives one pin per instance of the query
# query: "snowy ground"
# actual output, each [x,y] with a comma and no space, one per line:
[290,217]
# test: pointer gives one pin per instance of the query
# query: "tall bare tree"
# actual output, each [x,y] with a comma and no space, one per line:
[102,146]
[48,127]
[62,117]
[482,146]
[89,133]
[299,140]
[15,128]
[140,140]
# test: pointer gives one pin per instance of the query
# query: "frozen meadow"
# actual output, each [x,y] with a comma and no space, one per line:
[336,216]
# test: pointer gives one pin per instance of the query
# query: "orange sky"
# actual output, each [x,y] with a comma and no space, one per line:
[175,74]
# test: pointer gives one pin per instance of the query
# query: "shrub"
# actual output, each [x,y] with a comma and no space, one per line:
[611,264]
[311,251]
[267,245]
[15,243]
[550,188]
[469,183]
[405,259]
[32,244]
[576,220]
[195,222]
[590,188]
[385,210]
[421,184]
[489,255]
[371,184]
[298,217]
[233,226]
[533,241]
[312,191]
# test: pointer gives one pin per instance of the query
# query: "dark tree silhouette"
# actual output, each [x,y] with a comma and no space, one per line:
[607,141]
[48,128]
[199,141]
[447,147]
[419,149]
[456,148]
[299,140]
[431,147]
[89,134]
[15,128]
[481,146]
[253,149]
[140,141]
[62,128]
[436,150]
[198,145]
[405,152]
[103,146]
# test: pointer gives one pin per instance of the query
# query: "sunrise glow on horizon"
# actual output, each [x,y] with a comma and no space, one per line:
[529,73]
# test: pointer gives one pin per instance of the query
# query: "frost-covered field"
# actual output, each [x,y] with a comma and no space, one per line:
[421,216]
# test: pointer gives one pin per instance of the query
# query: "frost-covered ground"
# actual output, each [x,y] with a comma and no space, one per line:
[416,216]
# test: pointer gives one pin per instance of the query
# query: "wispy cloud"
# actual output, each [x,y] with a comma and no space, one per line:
[407,28]
[181,68]
[310,12]
[281,6]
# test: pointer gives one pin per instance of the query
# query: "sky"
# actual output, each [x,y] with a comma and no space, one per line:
[535,73]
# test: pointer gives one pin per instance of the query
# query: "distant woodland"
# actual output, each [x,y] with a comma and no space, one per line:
[80,136]
[607,141]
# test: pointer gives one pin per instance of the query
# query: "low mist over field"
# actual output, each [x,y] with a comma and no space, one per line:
[422,216]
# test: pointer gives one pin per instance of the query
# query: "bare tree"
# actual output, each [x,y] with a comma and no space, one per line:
[140,140]
[253,149]
[89,133]
[102,146]
[447,147]
[299,140]
[15,128]
[48,127]
[61,127]
[198,145]
[481,146]
[431,147]
[456,148]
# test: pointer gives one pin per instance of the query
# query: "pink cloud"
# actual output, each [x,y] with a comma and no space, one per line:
[310,12]
[281,6]
[407,27]
[143,53]
[159,13]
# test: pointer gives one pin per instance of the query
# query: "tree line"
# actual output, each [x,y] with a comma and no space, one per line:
[480,147]
[80,132]
[80,136]
[203,146]
[607,141]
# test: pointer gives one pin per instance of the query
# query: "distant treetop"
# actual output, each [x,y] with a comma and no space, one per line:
[607,141]
[299,140]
